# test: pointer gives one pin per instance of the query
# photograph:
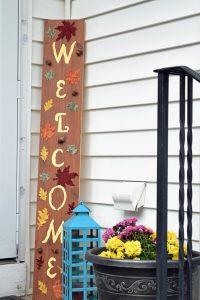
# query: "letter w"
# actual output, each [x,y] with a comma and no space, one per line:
[63,52]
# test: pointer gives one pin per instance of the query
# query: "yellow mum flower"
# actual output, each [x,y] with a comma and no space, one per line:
[114,243]
[132,248]
[120,253]
[185,249]
[173,250]
[171,236]
[113,254]
[153,235]
[105,254]
[175,257]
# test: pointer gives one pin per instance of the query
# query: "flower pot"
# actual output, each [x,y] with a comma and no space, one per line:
[118,279]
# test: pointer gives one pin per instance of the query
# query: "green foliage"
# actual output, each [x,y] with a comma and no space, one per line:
[148,246]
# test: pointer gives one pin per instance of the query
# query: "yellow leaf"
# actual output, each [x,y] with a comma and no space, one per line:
[44,153]
[42,287]
[42,194]
[48,104]
[42,218]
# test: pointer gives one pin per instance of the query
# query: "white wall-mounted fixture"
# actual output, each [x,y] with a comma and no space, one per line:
[129,196]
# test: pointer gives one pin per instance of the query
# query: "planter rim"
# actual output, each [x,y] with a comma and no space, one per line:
[92,256]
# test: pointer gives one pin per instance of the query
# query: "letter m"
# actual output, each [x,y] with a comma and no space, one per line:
[51,231]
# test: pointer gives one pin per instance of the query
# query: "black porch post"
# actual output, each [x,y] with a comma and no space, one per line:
[162,179]
[181,185]
[189,187]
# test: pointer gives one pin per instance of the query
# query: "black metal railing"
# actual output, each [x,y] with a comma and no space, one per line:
[162,179]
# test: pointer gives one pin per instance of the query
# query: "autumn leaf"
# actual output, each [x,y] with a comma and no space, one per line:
[50,32]
[39,262]
[49,75]
[48,104]
[57,289]
[70,208]
[71,149]
[42,194]
[44,153]
[42,287]
[47,132]
[73,77]
[42,218]
[65,177]
[44,176]
[73,106]
[67,30]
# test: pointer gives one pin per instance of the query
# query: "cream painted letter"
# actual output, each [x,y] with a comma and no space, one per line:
[51,230]
[51,195]
[60,87]
[58,118]
[53,158]
[49,274]
[63,52]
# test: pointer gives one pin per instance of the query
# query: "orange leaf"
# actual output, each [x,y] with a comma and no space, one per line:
[57,289]
[73,77]
[47,132]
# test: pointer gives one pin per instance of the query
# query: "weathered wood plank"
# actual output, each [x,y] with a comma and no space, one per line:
[59,149]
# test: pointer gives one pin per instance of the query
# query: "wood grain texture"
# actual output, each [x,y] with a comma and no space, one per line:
[48,249]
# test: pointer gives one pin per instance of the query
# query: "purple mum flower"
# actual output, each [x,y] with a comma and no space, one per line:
[130,230]
[108,234]
[127,222]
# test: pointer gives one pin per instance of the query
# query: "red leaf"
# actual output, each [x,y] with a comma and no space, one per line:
[39,262]
[67,30]
[65,177]
[70,208]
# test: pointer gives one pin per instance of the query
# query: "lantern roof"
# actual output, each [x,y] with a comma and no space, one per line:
[81,208]
[81,219]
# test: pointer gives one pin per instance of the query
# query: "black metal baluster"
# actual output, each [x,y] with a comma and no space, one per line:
[189,188]
[181,186]
[162,179]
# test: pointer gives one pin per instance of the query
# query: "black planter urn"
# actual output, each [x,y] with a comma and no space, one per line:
[118,279]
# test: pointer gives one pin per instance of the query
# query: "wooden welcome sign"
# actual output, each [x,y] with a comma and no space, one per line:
[59,152]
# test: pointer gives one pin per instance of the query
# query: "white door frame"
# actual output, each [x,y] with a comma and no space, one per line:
[15,277]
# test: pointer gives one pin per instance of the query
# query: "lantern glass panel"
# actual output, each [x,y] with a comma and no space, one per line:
[77,270]
[77,234]
[91,296]
[76,258]
[78,296]
[76,247]
[77,283]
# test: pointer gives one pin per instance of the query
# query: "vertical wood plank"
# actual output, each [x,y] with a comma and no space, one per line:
[59,149]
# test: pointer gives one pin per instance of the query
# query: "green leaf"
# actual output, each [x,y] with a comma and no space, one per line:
[44,176]
[50,32]
[73,106]
[71,149]
[49,75]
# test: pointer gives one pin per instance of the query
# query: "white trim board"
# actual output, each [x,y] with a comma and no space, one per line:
[13,278]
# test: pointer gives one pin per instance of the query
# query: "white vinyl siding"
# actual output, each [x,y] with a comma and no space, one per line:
[125,41]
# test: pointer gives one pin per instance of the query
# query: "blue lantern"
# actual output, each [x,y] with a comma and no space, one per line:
[80,233]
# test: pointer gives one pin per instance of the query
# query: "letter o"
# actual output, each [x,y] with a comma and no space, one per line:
[51,194]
